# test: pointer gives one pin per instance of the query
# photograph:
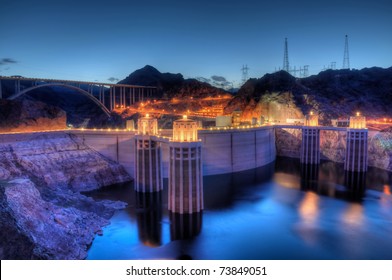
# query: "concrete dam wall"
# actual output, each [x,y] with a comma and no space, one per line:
[223,151]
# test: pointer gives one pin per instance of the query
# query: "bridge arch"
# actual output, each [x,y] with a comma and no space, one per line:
[85,93]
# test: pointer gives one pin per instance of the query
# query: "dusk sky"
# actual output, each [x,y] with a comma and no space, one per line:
[96,40]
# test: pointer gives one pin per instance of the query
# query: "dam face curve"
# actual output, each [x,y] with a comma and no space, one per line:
[224,151]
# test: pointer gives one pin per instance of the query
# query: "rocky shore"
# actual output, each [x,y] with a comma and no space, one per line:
[43,214]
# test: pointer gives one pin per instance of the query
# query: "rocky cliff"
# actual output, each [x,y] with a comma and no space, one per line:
[25,115]
[333,93]
[43,213]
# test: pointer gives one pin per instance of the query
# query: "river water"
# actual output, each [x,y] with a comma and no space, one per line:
[280,211]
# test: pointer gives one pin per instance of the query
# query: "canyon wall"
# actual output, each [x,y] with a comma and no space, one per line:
[26,115]
[43,214]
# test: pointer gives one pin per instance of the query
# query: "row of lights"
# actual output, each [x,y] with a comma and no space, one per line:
[100,129]
[235,127]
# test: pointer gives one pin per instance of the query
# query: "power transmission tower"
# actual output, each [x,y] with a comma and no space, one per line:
[346,59]
[304,72]
[286,66]
[244,70]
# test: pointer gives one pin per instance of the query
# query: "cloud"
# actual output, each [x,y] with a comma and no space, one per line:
[4,61]
[112,79]
[217,81]
[221,82]
[218,78]
[203,80]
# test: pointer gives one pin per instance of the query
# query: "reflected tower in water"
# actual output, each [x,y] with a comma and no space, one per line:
[309,177]
[149,218]
[185,226]
[355,183]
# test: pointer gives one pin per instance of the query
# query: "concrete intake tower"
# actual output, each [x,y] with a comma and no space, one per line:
[185,168]
[148,159]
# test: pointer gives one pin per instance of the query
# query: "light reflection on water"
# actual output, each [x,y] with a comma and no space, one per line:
[281,211]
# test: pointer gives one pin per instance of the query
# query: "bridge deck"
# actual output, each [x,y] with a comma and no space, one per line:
[72,82]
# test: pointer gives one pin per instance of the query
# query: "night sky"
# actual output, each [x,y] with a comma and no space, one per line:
[96,40]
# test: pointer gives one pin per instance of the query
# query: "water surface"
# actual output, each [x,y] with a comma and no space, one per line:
[281,211]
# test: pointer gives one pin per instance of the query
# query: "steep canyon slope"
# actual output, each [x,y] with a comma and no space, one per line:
[43,213]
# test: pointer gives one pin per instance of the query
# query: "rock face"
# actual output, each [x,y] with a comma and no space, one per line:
[333,93]
[25,115]
[43,214]
[333,146]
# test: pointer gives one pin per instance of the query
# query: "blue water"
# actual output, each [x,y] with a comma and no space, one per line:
[281,211]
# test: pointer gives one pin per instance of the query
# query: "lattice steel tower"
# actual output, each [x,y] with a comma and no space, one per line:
[346,59]
[244,70]
[286,66]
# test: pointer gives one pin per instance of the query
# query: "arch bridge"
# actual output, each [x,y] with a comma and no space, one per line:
[106,95]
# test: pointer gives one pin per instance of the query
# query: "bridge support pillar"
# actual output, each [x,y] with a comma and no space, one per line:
[124,98]
[110,99]
[133,96]
[17,86]
[121,101]
[310,148]
[356,150]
